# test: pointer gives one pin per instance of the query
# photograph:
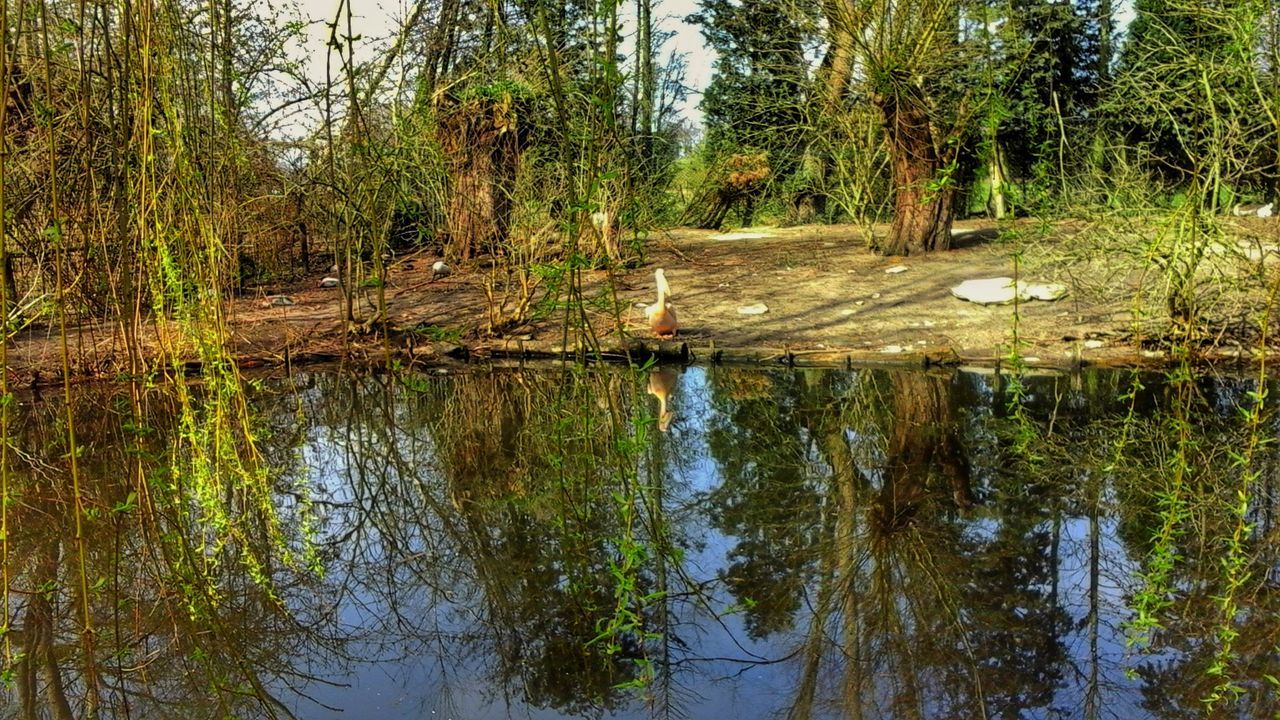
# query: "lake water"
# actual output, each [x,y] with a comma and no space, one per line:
[547,543]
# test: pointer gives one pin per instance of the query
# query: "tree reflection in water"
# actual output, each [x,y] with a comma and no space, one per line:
[801,543]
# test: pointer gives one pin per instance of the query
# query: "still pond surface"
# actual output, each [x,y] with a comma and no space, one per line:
[689,542]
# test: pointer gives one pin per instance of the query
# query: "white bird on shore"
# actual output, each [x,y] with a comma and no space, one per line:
[662,318]
[439,269]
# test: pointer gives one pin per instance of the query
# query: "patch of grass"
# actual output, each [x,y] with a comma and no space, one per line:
[437,333]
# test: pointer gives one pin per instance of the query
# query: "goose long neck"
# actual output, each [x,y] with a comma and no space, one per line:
[661,282]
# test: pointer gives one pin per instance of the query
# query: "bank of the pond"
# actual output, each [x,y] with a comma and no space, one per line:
[820,297]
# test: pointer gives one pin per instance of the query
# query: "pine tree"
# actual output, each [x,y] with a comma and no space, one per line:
[756,100]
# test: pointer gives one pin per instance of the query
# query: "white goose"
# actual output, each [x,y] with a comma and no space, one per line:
[662,318]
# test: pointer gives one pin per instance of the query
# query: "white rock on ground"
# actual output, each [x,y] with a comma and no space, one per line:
[756,309]
[987,291]
[1262,211]
[896,269]
[330,282]
[1001,290]
[1045,291]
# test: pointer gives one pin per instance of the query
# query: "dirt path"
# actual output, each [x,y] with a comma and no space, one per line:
[829,300]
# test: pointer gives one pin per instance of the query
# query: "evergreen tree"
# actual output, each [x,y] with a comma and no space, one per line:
[1051,83]
[756,100]
[1189,92]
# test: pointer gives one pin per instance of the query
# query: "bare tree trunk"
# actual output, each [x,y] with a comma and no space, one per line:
[645,79]
[996,176]
[834,74]
[10,285]
[1104,39]
[923,202]
[439,49]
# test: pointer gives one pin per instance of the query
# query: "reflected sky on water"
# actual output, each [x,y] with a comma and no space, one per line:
[543,544]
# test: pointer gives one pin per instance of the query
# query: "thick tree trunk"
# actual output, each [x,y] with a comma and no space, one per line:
[924,206]
[481,144]
[924,441]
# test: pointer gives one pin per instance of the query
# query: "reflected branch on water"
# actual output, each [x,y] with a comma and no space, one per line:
[792,542]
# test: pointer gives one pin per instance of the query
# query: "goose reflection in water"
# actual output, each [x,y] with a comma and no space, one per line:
[662,381]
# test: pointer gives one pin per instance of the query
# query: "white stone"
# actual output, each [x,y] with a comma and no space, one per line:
[1259,252]
[1093,344]
[875,296]
[1001,291]
[896,269]
[987,291]
[1262,211]
[439,269]
[892,349]
[756,309]
[330,282]
[1044,291]
[848,311]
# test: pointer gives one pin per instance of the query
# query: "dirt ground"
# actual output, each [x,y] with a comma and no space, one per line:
[829,301]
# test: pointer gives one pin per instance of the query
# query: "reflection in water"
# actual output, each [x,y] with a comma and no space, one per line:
[800,543]
[662,382]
